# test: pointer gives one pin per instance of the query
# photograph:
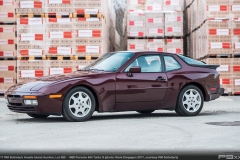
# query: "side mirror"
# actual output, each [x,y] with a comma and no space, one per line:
[135,69]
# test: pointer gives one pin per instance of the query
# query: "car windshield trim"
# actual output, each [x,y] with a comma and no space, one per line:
[109,62]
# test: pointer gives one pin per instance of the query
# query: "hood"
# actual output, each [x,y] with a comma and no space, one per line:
[35,85]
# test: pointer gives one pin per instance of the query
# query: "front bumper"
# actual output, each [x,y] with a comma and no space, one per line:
[214,96]
[45,105]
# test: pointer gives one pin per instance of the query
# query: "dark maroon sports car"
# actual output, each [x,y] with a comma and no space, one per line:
[120,81]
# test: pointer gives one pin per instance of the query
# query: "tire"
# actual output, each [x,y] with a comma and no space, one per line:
[190,101]
[38,116]
[78,105]
[146,112]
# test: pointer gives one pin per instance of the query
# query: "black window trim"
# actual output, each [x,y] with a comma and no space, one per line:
[165,71]
[161,59]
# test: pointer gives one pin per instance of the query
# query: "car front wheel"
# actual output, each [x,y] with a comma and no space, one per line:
[78,105]
[190,101]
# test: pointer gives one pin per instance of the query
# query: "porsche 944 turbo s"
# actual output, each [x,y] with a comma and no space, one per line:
[120,81]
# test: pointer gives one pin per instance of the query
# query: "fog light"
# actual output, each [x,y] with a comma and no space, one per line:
[31,102]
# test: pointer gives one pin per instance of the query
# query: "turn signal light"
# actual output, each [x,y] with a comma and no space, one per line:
[55,96]
[30,97]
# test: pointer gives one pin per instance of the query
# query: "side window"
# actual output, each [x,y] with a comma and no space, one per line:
[171,64]
[148,64]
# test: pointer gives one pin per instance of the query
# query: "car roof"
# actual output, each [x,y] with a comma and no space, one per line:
[145,52]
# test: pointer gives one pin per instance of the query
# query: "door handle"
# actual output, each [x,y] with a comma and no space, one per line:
[161,79]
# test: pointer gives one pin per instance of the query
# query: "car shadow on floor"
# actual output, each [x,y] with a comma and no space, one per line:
[103,117]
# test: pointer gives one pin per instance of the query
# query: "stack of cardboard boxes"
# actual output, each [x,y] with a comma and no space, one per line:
[59,36]
[213,33]
[155,25]
[7,45]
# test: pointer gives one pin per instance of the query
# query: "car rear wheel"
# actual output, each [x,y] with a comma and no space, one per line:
[78,105]
[38,115]
[190,101]
[146,112]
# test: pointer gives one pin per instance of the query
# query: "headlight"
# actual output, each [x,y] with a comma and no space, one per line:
[40,85]
[31,102]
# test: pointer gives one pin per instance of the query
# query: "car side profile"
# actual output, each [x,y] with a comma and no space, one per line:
[120,81]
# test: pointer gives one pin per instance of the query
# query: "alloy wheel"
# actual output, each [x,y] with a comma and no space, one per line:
[80,104]
[192,100]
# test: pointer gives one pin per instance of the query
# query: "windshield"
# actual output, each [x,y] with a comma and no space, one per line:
[110,62]
[191,61]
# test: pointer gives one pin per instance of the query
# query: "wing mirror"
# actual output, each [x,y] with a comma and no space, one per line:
[135,69]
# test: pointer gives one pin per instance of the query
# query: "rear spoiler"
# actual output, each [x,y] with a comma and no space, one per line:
[207,66]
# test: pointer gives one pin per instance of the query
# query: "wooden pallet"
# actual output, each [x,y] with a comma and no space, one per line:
[32,58]
[7,58]
[30,15]
[79,15]
[54,15]
[54,57]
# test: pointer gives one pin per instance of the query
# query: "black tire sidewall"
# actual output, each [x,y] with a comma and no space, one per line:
[67,113]
[180,104]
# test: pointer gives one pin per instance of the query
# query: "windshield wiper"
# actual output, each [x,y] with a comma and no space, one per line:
[95,69]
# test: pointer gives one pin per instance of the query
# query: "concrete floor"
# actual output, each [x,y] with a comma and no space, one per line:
[215,130]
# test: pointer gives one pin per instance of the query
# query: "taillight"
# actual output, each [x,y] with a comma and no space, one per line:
[218,79]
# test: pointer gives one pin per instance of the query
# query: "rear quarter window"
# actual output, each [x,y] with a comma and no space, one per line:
[171,64]
[191,61]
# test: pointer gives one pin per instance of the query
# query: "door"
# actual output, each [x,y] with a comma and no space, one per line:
[149,85]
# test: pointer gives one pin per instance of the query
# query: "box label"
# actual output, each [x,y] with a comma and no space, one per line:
[172,2]
[136,34]
[235,7]
[237,82]
[154,8]
[92,49]
[55,1]
[91,11]
[27,37]
[64,20]
[174,29]
[155,20]
[222,31]
[26,4]
[215,45]
[27,73]
[155,31]
[54,71]
[223,68]
[6,54]
[6,15]
[7,29]
[35,21]
[174,50]
[7,80]
[85,33]
[35,52]
[136,46]
[7,2]
[173,18]
[135,1]
[236,45]
[64,50]
[136,23]
[56,35]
